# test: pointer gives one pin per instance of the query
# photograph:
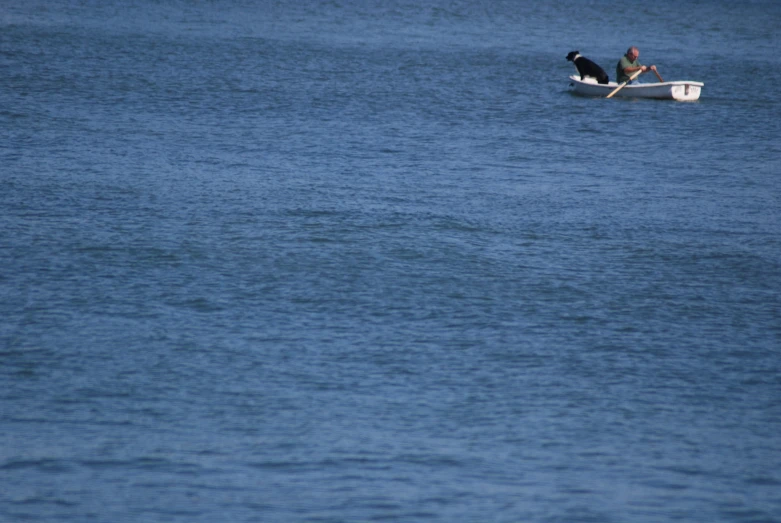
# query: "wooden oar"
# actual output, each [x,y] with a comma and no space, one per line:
[659,76]
[621,86]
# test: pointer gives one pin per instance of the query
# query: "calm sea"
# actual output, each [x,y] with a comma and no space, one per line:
[352,261]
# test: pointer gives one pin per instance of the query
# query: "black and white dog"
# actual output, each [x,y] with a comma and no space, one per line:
[587,68]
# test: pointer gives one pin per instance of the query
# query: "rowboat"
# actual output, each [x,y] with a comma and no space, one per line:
[681,90]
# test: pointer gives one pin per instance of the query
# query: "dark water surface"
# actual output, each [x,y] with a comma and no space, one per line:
[361,261]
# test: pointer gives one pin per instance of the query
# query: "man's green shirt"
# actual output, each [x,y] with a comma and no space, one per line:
[623,64]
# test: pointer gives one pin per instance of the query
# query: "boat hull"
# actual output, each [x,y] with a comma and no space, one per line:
[682,90]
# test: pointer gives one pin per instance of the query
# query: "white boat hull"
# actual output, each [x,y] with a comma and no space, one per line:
[682,90]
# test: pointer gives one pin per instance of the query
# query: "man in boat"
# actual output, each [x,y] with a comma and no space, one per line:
[628,64]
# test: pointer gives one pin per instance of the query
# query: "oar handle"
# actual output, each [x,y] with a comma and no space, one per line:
[634,75]
[659,76]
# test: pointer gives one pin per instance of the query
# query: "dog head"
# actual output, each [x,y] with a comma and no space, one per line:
[573,55]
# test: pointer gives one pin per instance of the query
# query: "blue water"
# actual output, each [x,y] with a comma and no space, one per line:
[344,261]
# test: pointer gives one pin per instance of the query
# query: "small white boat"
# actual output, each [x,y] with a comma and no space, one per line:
[681,90]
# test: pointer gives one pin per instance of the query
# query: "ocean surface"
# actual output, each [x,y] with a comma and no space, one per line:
[355,261]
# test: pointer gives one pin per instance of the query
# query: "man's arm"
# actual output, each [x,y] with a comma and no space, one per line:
[645,68]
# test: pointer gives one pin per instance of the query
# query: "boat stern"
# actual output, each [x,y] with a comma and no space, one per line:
[686,91]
